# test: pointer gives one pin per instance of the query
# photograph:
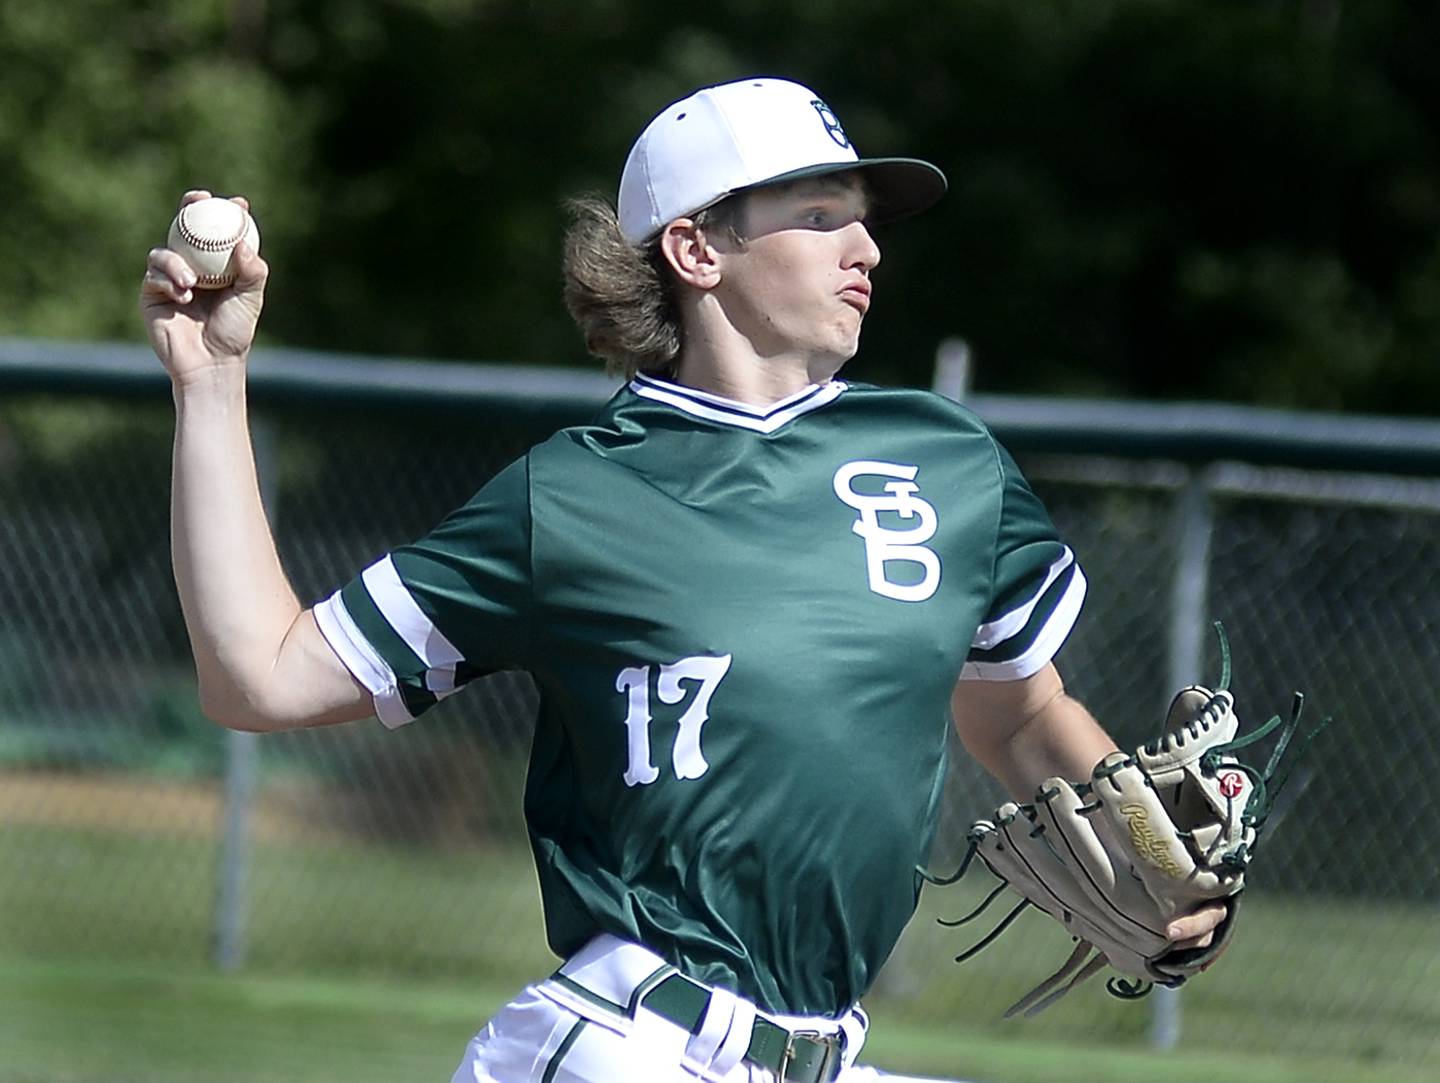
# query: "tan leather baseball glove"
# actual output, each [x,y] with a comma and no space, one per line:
[1151,836]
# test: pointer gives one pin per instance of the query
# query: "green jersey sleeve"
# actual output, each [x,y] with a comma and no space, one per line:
[1036,587]
[423,620]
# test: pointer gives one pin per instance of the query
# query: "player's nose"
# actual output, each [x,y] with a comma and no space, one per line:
[861,251]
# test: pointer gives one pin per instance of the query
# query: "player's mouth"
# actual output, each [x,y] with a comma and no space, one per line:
[857,294]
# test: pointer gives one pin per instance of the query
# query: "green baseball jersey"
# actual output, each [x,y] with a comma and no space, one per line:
[745,626]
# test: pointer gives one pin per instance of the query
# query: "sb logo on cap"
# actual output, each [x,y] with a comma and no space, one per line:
[832,123]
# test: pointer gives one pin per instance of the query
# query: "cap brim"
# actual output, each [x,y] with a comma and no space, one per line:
[898,187]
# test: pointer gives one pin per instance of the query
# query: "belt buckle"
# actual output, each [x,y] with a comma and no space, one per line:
[831,1042]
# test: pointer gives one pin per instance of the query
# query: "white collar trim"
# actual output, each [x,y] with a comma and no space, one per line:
[740,415]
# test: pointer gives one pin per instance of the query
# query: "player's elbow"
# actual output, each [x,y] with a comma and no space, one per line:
[278,705]
[234,710]
[224,711]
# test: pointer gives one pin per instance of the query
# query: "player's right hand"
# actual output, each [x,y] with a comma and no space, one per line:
[193,330]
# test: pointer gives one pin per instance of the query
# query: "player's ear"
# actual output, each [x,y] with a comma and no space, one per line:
[690,254]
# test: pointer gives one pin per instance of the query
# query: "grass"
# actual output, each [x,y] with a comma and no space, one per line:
[348,908]
[1336,980]
[105,1023]
[379,962]
[88,1023]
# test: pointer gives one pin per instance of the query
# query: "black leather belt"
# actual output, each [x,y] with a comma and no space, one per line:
[795,1056]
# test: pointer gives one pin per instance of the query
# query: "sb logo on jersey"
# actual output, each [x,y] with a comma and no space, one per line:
[887,545]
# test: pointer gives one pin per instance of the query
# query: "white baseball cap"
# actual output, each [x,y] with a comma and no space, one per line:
[752,132]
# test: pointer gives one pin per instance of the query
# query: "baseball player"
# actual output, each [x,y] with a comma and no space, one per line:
[751,595]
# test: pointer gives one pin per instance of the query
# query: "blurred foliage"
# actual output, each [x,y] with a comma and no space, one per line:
[1222,198]
[107,111]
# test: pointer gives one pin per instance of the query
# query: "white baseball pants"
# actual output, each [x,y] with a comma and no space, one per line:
[555,1033]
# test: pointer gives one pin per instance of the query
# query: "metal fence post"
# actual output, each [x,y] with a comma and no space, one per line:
[1194,525]
[241,762]
[235,851]
[954,369]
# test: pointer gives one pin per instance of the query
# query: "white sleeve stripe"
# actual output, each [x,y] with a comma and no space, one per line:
[404,614]
[989,636]
[1046,646]
[441,681]
[361,659]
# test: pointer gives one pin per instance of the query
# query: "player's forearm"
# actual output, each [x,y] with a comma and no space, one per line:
[237,602]
[1026,731]
[1062,740]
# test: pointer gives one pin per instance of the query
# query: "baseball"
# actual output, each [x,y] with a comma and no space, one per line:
[206,232]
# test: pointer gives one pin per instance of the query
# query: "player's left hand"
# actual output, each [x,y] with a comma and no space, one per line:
[1196,930]
[1144,863]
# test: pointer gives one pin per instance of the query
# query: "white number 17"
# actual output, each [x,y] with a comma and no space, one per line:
[634,682]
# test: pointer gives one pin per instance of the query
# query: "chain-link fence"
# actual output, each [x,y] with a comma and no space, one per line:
[132,829]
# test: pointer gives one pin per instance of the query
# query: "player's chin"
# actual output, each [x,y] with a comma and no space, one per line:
[847,341]
[835,359]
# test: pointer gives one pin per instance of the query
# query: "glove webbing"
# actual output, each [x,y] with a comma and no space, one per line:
[1263,796]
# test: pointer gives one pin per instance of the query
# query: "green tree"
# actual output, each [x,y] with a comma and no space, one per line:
[1200,198]
[107,112]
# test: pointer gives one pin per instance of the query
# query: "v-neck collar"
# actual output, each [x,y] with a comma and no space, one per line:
[740,415]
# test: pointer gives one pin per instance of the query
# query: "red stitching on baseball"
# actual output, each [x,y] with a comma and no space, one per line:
[204,245]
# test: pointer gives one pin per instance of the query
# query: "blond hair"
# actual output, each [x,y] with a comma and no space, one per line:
[623,296]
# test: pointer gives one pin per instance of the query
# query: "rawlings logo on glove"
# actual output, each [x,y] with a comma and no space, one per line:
[1153,835]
